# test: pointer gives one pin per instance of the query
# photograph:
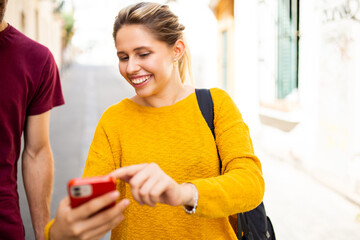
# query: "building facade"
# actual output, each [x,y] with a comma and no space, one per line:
[37,19]
[296,81]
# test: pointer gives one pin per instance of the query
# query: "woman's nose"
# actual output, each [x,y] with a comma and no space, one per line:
[132,66]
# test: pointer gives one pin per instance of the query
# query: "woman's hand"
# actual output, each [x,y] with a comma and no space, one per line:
[85,222]
[150,185]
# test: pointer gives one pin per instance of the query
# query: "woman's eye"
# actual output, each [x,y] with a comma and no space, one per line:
[123,59]
[144,55]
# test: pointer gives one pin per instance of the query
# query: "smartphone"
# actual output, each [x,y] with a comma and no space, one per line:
[81,190]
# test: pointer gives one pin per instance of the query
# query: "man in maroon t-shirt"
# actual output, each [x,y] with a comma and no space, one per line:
[29,88]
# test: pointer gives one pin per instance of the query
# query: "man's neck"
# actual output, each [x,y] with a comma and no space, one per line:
[3,25]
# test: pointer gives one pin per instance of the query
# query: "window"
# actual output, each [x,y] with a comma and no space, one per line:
[288,47]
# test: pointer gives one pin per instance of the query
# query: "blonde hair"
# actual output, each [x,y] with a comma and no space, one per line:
[162,23]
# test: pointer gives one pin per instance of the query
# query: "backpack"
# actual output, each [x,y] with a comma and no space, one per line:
[255,224]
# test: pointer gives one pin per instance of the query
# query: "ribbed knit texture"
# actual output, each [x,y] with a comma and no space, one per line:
[178,139]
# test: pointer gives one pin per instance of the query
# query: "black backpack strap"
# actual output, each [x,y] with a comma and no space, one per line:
[245,227]
[240,227]
[206,106]
[248,222]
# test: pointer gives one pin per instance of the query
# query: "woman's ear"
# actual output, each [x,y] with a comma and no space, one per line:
[179,49]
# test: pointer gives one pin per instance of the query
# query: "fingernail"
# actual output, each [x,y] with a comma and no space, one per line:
[126,202]
[115,194]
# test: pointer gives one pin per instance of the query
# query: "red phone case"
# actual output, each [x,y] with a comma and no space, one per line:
[82,190]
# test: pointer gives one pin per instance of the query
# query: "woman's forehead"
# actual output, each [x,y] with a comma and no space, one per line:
[134,36]
[134,30]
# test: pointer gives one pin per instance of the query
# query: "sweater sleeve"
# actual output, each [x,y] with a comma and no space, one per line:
[47,229]
[100,160]
[240,187]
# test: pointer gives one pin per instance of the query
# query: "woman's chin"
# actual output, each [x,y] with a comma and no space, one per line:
[142,92]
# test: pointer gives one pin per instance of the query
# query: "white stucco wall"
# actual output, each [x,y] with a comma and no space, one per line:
[326,142]
[338,91]
[246,62]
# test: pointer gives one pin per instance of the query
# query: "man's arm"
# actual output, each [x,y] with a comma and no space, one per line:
[38,170]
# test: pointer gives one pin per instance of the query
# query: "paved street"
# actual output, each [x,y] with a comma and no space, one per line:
[302,208]
[88,91]
[299,206]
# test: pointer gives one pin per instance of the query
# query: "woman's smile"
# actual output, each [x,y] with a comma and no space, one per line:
[139,81]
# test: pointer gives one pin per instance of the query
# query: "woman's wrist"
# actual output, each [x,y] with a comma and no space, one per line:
[190,197]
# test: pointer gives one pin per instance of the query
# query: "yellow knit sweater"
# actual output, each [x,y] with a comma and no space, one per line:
[178,139]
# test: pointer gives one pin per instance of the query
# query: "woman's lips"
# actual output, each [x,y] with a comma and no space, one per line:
[140,81]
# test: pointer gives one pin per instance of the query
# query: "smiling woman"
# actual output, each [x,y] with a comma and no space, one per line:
[166,28]
[150,65]
[158,144]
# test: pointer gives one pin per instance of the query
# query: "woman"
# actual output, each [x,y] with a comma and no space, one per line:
[160,146]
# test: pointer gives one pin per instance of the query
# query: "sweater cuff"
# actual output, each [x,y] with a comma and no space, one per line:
[205,200]
[47,229]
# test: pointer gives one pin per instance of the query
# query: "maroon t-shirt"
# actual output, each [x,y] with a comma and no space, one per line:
[29,85]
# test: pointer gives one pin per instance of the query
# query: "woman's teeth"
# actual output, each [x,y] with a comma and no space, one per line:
[140,80]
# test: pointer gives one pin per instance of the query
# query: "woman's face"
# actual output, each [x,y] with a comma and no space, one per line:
[145,62]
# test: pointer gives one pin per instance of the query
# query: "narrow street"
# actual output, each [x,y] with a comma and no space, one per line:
[88,91]
[299,206]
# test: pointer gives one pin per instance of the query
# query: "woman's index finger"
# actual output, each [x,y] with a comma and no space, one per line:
[126,173]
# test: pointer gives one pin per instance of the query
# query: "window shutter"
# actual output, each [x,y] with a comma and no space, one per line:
[287,48]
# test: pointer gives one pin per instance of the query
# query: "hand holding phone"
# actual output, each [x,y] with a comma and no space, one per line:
[93,215]
[81,190]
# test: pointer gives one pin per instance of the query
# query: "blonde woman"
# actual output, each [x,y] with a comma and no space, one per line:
[160,147]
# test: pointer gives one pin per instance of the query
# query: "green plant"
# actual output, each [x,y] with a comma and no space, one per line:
[68,27]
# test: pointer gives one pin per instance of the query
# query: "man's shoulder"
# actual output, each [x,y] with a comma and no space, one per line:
[28,45]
